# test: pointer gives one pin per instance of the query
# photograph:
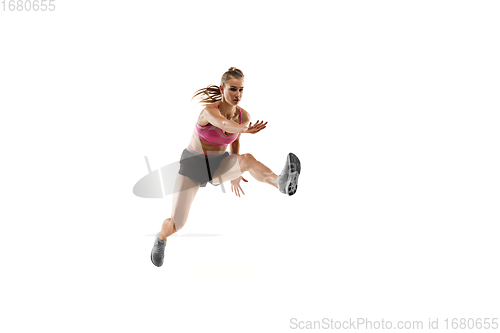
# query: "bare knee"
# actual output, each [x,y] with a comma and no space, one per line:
[246,161]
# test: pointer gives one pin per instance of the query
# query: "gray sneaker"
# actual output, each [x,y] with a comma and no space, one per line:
[287,180]
[158,252]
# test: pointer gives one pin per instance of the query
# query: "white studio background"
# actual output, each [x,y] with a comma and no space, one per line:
[392,107]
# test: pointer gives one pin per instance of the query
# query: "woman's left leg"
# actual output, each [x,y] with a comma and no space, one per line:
[235,165]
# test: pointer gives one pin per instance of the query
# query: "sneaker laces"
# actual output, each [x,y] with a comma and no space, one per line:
[285,170]
[160,245]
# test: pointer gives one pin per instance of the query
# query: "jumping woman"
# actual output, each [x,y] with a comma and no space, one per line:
[205,160]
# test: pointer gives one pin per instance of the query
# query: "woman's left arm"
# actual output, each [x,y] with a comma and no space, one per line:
[245,120]
[235,146]
[235,149]
[235,183]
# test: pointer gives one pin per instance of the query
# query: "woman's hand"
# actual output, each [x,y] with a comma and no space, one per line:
[258,126]
[235,184]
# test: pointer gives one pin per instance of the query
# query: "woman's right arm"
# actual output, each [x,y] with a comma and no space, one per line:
[213,116]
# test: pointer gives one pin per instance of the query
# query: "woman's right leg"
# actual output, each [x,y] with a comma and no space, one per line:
[235,165]
[184,192]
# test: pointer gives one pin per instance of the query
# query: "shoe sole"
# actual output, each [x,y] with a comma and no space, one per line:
[293,174]
[154,243]
[152,259]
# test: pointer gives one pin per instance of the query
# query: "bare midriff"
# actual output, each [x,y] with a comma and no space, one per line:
[207,149]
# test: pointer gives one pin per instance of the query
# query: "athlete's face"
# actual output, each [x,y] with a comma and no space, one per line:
[233,91]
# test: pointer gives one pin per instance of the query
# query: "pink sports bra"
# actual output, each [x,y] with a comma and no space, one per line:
[214,135]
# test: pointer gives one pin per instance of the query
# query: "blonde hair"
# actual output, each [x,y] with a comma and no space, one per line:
[212,92]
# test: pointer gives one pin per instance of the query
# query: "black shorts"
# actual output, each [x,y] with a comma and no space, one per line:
[200,167]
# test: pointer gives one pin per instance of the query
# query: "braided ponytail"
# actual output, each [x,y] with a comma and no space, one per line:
[212,92]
